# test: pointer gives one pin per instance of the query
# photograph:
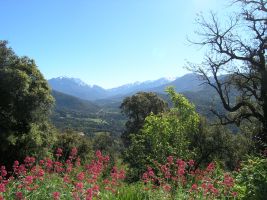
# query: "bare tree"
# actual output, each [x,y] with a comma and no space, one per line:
[237,50]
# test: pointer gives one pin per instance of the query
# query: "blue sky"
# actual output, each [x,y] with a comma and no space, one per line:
[105,42]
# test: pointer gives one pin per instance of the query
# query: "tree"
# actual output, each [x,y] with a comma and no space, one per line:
[25,104]
[137,108]
[217,142]
[165,134]
[237,51]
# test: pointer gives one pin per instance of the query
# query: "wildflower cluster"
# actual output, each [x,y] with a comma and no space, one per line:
[176,174]
[58,179]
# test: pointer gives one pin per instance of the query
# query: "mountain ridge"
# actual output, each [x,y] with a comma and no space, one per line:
[78,88]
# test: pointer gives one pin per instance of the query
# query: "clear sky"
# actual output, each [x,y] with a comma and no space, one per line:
[105,42]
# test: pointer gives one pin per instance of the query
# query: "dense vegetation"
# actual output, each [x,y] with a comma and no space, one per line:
[153,149]
[26,102]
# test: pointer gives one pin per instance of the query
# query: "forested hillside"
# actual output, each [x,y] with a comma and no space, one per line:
[71,103]
[72,113]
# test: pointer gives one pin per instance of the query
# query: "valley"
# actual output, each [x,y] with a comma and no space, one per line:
[83,108]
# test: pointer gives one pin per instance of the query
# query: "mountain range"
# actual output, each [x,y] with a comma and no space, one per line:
[77,88]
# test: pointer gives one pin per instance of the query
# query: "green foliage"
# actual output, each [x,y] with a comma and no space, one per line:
[25,104]
[128,192]
[69,140]
[163,135]
[137,108]
[184,110]
[216,142]
[107,143]
[252,178]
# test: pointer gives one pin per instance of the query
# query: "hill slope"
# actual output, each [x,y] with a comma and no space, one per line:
[84,116]
[71,103]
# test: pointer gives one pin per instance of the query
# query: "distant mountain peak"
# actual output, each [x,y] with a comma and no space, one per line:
[80,82]
[76,87]
[61,77]
[170,78]
[71,79]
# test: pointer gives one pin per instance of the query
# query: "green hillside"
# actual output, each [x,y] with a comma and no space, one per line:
[72,113]
[68,102]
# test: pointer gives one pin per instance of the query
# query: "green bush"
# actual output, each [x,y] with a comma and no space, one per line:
[251,179]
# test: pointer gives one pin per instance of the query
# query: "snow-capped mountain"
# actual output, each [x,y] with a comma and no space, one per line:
[138,86]
[78,88]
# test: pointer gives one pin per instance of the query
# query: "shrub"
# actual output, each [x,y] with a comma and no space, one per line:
[252,178]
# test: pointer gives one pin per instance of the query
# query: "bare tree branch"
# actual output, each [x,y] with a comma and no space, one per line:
[240,55]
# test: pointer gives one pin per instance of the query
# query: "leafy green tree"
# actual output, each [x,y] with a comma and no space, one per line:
[25,105]
[163,135]
[238,48]
[137,108]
